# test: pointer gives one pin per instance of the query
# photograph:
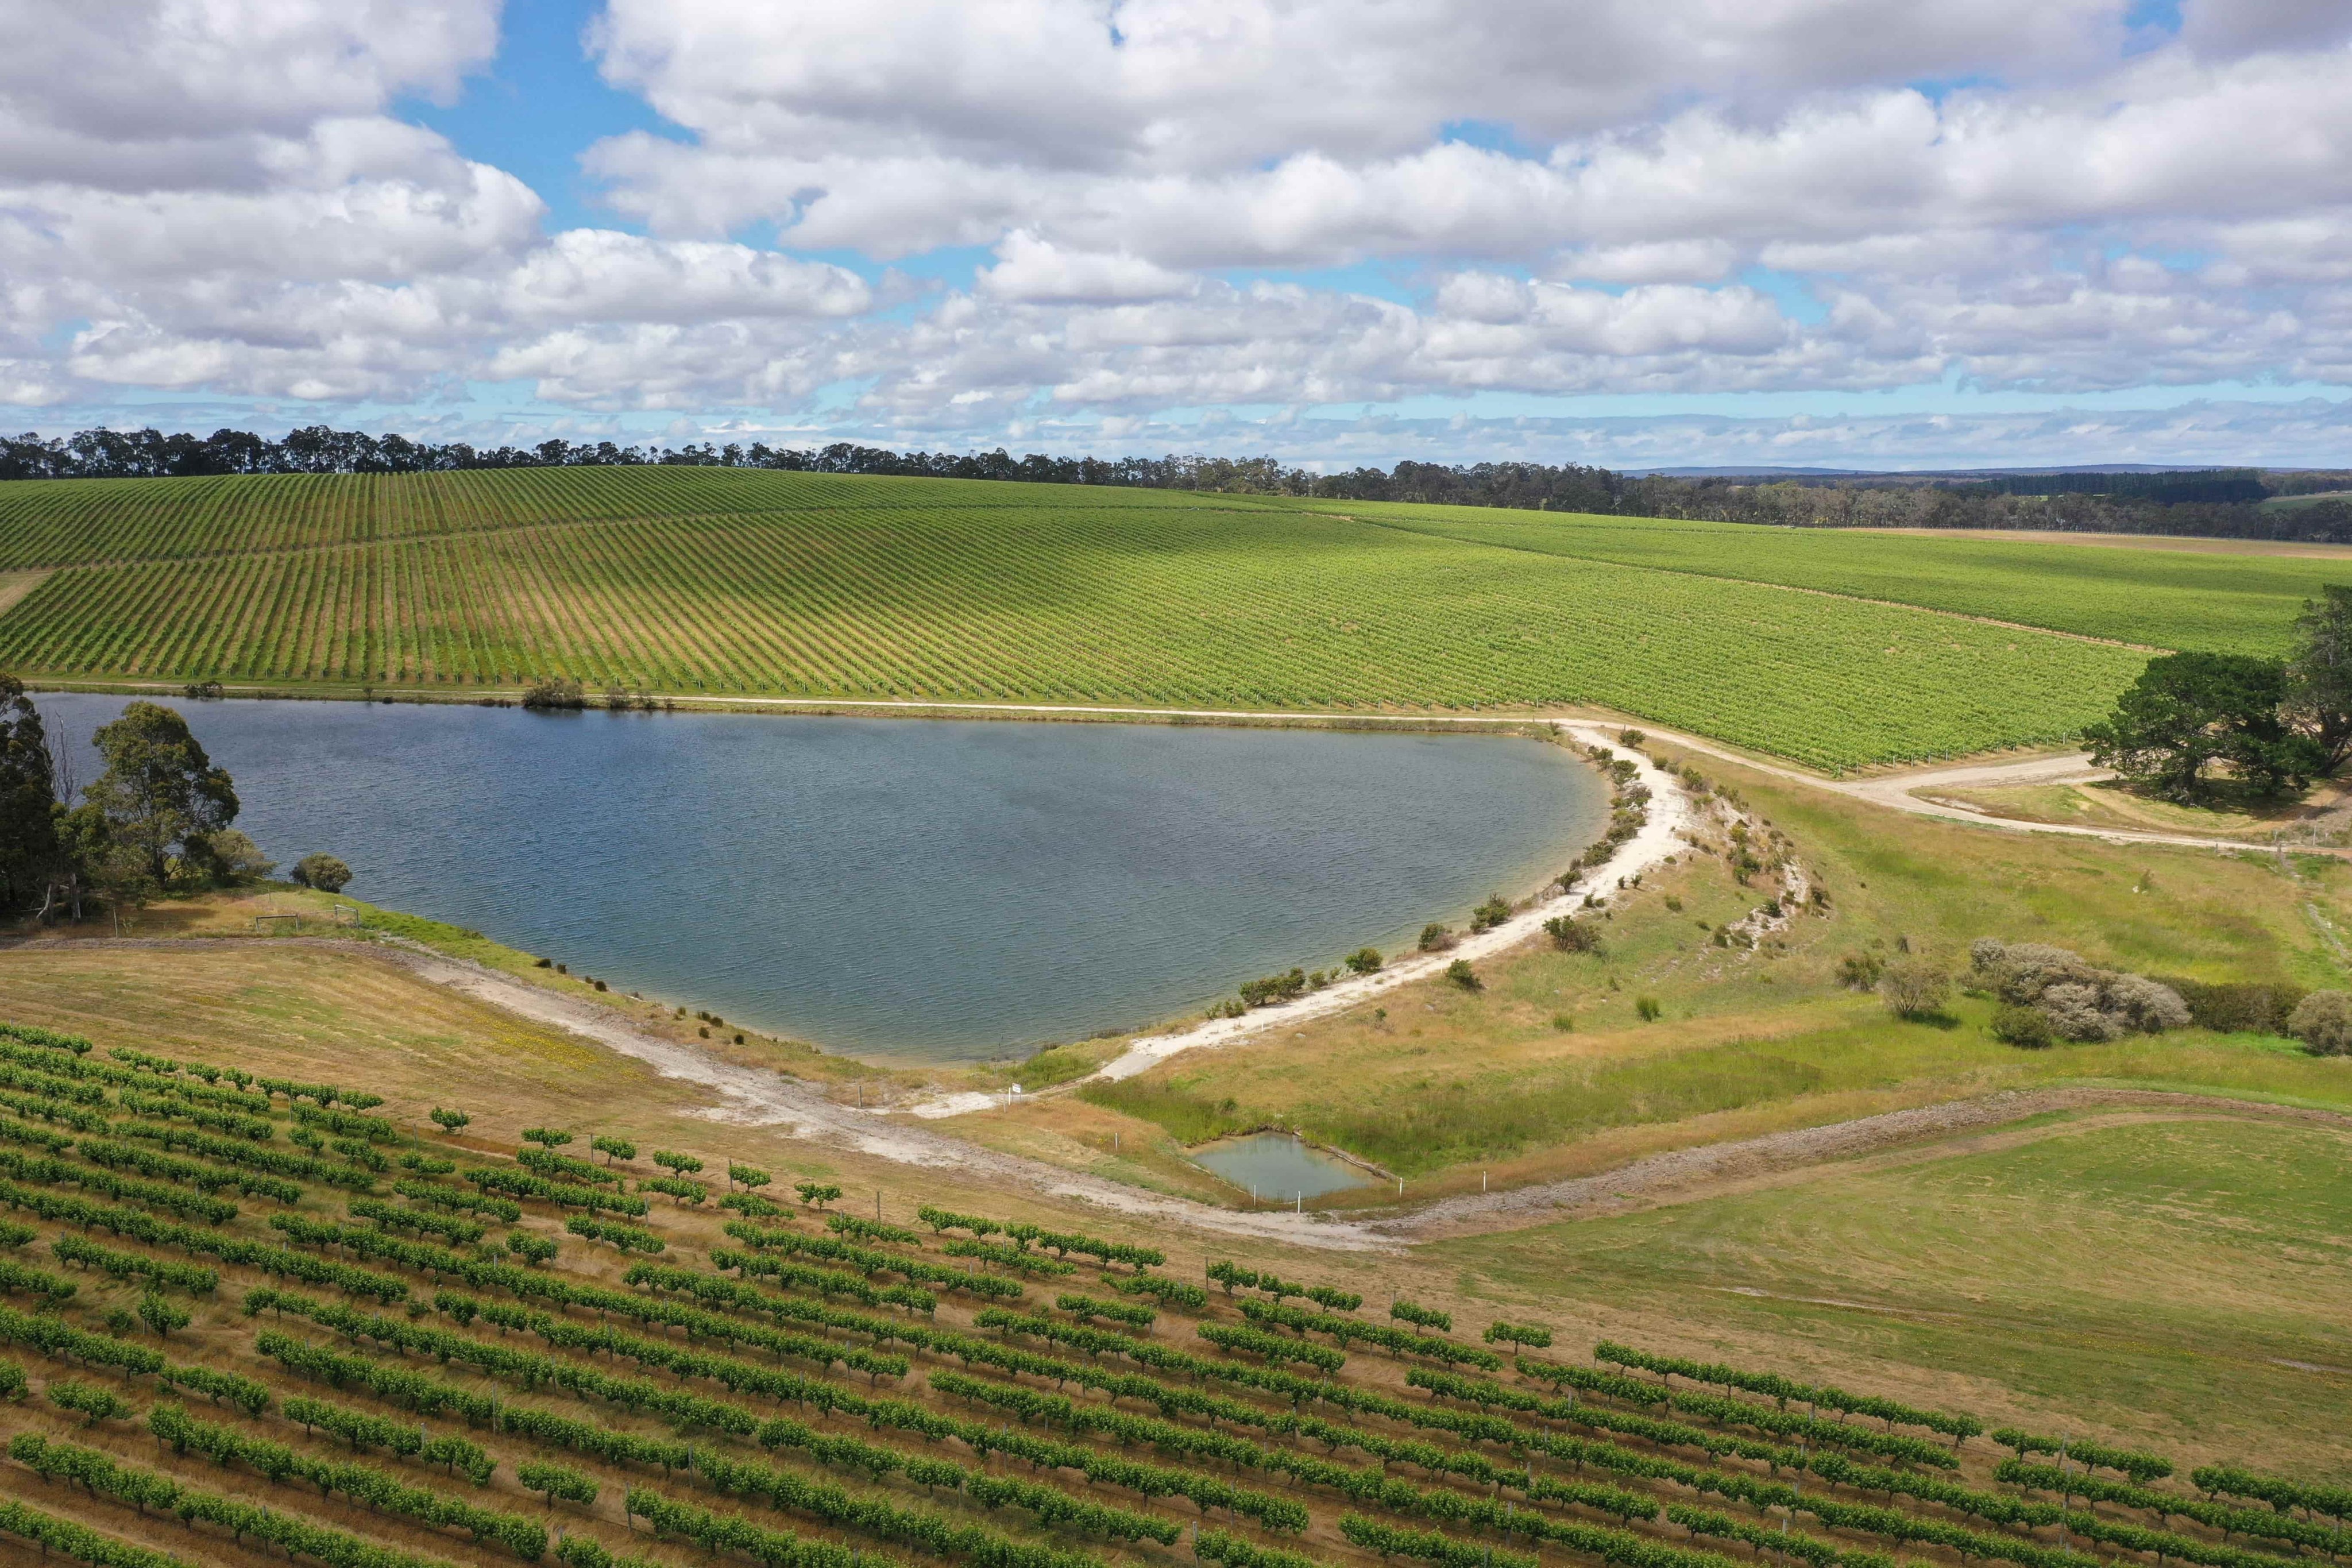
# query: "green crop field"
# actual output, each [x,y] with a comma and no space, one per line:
[252,1318]
[2164,598]
[704,582]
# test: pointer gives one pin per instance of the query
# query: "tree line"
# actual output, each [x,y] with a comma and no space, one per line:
[2210,503]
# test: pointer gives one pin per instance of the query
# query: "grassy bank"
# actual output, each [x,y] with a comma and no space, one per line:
[1551,1068]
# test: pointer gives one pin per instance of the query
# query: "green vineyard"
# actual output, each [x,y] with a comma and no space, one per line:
[265,1356]
[717,582]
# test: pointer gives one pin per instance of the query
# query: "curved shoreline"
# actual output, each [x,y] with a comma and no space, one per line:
[1670,810]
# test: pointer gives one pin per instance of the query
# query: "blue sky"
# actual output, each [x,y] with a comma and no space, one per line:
[2024,231]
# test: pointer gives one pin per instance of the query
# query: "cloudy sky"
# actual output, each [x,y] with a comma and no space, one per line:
[1886,232]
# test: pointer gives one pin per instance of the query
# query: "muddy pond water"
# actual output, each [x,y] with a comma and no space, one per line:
[1275,1167]
[926,888]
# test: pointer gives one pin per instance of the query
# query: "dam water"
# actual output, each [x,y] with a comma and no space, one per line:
[926,889]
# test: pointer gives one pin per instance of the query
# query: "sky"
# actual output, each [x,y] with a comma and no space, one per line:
[1881,233]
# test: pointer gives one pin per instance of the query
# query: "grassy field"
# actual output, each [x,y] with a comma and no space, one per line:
[724,582]
[1551,1070]
[2222,600]
[2184,1272]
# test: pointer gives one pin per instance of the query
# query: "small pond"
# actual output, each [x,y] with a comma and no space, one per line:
[926,889]
[1279,1168]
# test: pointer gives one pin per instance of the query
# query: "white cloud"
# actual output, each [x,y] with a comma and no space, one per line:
[1187,204]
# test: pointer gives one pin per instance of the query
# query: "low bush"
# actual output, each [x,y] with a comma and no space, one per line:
[1364,960]
[324,872]
[1490,914]
[2024,1028]
[2323,1022]
[1915,987]
[1436,938]
[1860,971]
[1570,936]
[2238,1007]
[554,693]
[1274,989]
[1459,972]
[2081,1001]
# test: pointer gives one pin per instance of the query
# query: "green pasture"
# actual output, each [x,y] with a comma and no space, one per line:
[707,582]
[2185,1280]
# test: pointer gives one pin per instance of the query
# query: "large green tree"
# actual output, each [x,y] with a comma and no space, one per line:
[2319,674]
[160,794]
[29,833]
[2188,712]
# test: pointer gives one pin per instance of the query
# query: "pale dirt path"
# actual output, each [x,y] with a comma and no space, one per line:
[750,1097]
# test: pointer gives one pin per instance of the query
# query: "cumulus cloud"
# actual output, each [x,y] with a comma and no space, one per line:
[1189,204]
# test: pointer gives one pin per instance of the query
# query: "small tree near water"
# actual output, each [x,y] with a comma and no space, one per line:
[321,871]
[554,694]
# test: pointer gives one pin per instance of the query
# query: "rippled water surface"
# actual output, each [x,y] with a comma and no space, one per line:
[930,888]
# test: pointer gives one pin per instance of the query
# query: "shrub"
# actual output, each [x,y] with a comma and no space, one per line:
[554,693]
[547,1137]
[1913,988]
[533,1249]
[2024,1028]
[1570,937]
[747,1175]
[672,1160]
[1273,988]
[1460,973]
[2145,1006]
[1650,1010]
[1490,914]
[235,858]
[2323,1022]
[161,1315]
[816,1194]
[1365,960]
[324,872]
[613,1149]
[1860,971]
[2081,1001]
[2072,1008]
[86,1400]
[1421,1317]
[1436,938]
[1517,1335]
[450,1121]
[2236,1008]
[555,1481]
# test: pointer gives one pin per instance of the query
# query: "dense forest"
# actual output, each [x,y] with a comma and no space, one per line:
[2223,503]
